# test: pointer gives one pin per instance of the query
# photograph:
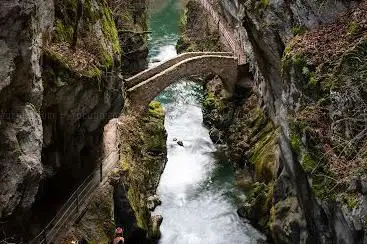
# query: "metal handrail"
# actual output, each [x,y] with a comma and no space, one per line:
[73,206]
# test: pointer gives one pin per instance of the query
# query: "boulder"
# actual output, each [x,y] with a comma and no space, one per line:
[153,202]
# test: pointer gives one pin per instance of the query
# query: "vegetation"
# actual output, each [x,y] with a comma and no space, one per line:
[98,51]
[190,41]
[332,79]
[143,156]
[298,30]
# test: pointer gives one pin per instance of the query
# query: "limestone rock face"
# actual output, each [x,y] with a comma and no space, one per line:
[300,55]
[143,156]
[269,27]
[131,21]
[22,25]
[21,168]
[292,95]
[59,85]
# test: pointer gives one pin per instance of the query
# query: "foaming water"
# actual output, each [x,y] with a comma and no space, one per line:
[164,53]
[197,189]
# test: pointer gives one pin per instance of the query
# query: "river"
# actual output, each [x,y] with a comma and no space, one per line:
[197,187]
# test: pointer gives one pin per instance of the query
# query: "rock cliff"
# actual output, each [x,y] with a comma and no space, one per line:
[193,22]
[128,198]
[300,131]
[23,28]
[131,22]
[300,92]
[60,82]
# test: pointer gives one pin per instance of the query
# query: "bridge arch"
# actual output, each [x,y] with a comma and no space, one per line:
[144,92]
[146,74]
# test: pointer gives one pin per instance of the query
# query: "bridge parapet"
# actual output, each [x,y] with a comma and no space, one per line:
[146,74]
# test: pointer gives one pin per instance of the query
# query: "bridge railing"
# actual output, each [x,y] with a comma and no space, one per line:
[229,36]
[146,74]
[77,202]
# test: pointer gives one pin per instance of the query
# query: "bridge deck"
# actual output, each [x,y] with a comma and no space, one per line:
[146,74]
[144,92]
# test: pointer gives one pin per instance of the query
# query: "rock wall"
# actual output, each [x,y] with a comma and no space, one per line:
[60,84]
[131,21]
[23,27]
[128,197]
[143,155]
[193,22]
[294,132]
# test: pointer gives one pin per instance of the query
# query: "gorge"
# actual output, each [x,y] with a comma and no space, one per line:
[284,146]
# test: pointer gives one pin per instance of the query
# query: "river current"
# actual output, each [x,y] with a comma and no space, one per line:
[199,199]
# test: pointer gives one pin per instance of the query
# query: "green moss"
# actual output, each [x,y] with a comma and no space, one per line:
[308,163]
[349,199]
[106,59]
[56,57]
[264,149]
[272,218]
[63,33]
[297,61]
[124,164]
[67,17]
[183,21]
[155,135]
[155,109]
[140,210]
[296,143]
[298,30]
[209,101]
[155,138]
[63,67]
[262,4]
[142,154]
[352,202]
[312,80]
[93,72]
[353,28]
[258,204]
[109,29]
[312,159]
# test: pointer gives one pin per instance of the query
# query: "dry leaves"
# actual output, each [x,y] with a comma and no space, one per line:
[78,60]
[332,40]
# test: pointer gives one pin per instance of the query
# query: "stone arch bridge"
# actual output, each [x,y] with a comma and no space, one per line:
[145,86]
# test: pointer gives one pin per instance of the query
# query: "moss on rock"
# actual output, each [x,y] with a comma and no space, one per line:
[91,25]
[252,145]
[258,205]
[329,81]
[143,157]
[197,33]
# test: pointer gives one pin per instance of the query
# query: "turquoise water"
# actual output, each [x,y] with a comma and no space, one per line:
[199,200]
